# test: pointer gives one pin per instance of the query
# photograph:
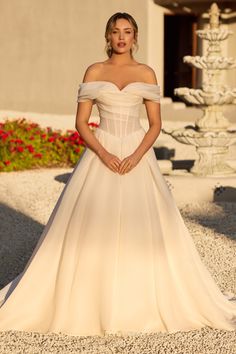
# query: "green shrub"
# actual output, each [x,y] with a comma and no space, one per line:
[26,145]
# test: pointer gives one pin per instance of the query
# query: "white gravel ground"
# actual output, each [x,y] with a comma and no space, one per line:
[26,201]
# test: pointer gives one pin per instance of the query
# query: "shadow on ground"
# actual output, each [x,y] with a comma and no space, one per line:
[225,194]
[63,178]
[18,237]
[221,218]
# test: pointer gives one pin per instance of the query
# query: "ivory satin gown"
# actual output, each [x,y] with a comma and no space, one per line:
[115,255]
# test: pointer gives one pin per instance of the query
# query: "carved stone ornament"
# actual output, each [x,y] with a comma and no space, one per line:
[211,134]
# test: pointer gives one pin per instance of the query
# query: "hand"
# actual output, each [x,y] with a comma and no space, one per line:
[129,163]
[111,161]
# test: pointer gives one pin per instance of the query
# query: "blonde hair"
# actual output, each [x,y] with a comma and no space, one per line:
[111,23]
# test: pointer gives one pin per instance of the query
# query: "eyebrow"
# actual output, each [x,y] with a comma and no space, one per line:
[124,28]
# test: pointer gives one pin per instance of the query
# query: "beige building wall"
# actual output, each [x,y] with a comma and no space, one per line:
[155,40]
[47,45]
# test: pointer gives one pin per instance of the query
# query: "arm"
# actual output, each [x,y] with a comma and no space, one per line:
[154,118]
[84,110]
[83,113]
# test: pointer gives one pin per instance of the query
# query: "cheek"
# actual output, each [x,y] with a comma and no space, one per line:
[114,38]
[130,39]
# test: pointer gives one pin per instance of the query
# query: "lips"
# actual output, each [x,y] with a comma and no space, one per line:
[121,44]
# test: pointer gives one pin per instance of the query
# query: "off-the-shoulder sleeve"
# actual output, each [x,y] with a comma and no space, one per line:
[151,92]
[86,92]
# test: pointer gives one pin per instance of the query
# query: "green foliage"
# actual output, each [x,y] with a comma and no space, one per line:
[26,145]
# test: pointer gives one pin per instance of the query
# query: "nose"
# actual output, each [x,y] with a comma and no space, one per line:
[121,36]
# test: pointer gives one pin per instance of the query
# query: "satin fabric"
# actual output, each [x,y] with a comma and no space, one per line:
[115,255]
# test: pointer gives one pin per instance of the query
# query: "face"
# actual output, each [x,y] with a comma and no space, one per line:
[122,36]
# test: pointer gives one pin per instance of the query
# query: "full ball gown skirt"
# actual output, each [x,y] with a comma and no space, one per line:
[115,255]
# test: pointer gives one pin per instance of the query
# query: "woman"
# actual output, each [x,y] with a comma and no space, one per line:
[115,255]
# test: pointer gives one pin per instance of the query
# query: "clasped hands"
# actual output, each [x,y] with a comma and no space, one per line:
[120,166]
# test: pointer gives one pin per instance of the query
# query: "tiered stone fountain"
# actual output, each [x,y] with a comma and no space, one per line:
[211,134]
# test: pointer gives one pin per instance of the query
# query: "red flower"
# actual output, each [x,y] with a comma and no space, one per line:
[30,148]
[43,136]
[38,155]
[19,141]
[51,139]
[80,141]
[31,138]
[4,136]
[74,136]
[7,162]
[93,124]
[20,149]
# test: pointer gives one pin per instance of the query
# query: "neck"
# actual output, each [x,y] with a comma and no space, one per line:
[121,59]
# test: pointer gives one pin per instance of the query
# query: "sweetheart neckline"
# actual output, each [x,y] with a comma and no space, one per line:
[112,83]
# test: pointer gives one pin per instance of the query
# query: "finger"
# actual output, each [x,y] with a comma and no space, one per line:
[116,166]
[116,163]
[124,169]
[127,169]
[113,169]
[121,169]
[118,160]
[126,165]
[122,165]
[124,161]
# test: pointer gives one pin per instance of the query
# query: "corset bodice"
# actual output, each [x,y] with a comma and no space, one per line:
[119,110]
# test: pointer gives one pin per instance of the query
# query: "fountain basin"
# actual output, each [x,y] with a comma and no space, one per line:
[210,62]
[200,97]
[192,136]
[212,148]
[214,34]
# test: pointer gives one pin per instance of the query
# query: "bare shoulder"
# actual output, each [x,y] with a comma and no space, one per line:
[148,74]
[92,71]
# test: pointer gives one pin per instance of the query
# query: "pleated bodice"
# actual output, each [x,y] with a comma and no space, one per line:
[119,110]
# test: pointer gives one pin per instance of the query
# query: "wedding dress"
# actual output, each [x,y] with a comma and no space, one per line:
[115,255]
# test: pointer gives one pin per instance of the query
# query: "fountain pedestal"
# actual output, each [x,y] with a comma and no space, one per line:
[211,134]
[212,161]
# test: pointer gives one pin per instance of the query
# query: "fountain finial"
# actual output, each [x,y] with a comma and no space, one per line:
[211,134]
[214,14]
